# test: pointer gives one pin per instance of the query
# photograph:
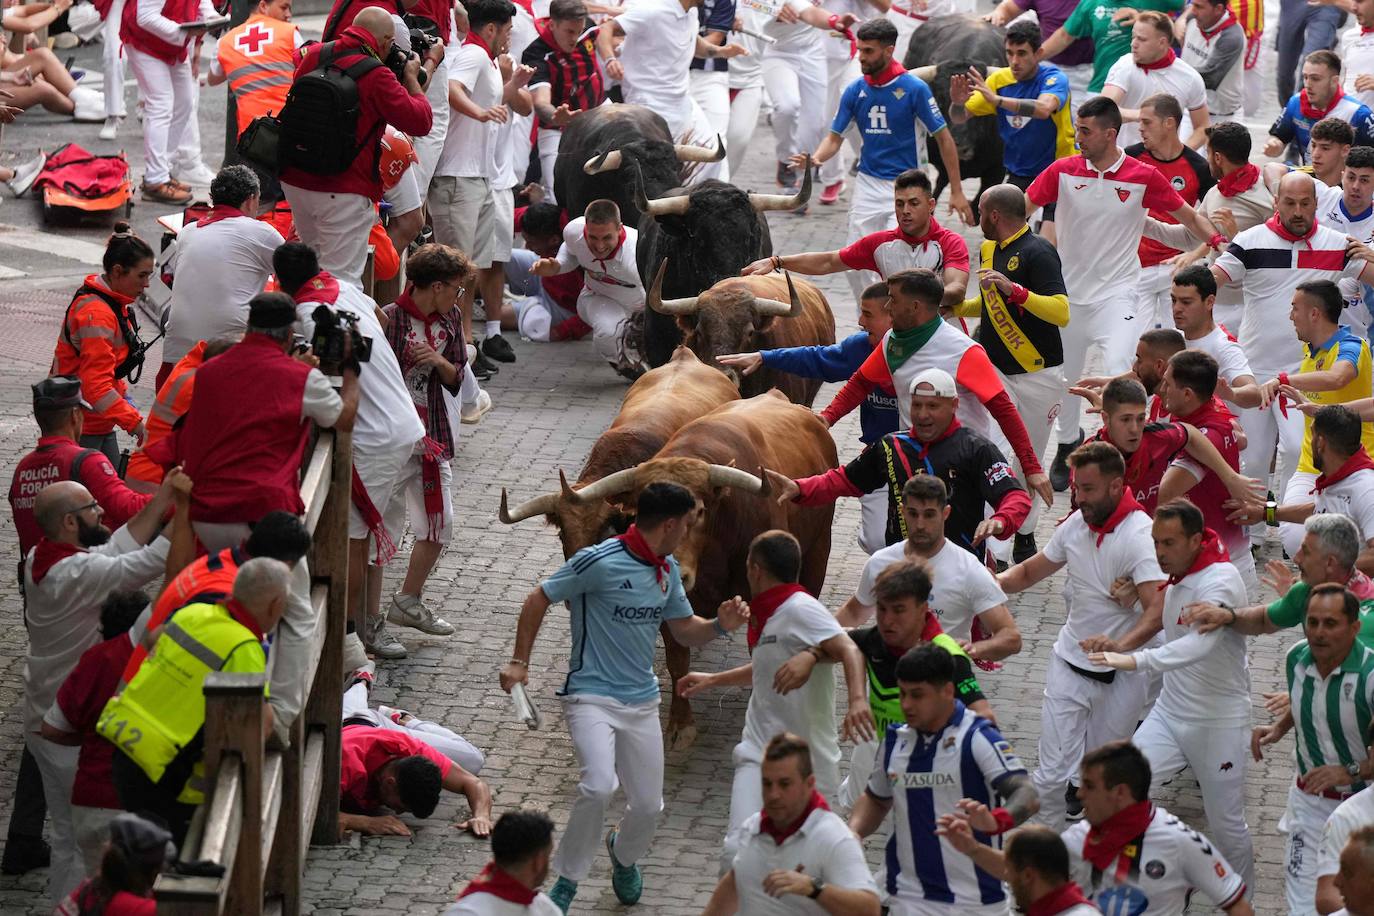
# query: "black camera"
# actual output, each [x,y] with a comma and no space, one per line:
[328,340]
[396,59]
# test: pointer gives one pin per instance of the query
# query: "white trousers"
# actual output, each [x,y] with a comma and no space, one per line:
[870,210]
[1303,820]
[689,124]
[57,764]
[90,830]
[873,521]
[1079,714]
[605,315]
[797,85]
[1079,77]
[1218,757]
[711,90]
[615,745]
[336,226]
[1265,429]
[168,94]
[1296,489]
[1112,327]
[428,147]
[1153,307]
[744,120]
[840,72]
[444,740]
[1038,397]
[112,61]
[548,154]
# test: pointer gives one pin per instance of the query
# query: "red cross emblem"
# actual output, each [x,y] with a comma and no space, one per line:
[252,39]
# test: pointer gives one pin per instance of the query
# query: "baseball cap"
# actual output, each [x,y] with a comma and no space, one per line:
[940,381]
[57,392]
[142,840]
[271,310]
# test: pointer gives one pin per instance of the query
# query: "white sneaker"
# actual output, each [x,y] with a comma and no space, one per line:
[90,105]
[473,413]
[24,175]
[110,129]
[197,174]
[409,611]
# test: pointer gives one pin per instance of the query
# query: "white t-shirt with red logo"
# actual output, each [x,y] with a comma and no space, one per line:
[892,250]
[616,277]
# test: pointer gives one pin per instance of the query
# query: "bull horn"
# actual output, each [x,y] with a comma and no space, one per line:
[540,505]
[564,490]
[723,476]
[606,487]
[765,202]
[608,161]
[686,152]
[927,73]
[676,205]
[772,308]
[657,303]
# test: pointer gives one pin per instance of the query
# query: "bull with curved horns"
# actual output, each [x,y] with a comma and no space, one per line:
[712,230]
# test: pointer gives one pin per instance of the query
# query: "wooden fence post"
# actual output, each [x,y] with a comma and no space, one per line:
[234,713]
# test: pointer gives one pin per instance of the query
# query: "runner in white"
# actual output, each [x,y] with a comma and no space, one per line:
[1193,297]
[521,847]
[1152,68]
[1350,209]
[784,620]
[1357,53]
[1107,538]
[1202,717]
[1350,816]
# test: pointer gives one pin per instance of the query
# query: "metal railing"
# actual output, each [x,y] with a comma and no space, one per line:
[265,807]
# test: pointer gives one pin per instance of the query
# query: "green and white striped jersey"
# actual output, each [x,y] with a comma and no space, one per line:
[1331,714]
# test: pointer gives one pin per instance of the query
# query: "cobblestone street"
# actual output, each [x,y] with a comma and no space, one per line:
[549,409]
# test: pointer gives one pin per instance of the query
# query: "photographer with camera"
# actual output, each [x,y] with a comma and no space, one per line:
[339,321]
[329,155]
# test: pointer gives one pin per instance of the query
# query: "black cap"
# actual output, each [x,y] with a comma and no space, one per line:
[142,840]
[58,391]
[271,310]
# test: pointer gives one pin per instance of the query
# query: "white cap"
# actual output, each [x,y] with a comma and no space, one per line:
[939,381]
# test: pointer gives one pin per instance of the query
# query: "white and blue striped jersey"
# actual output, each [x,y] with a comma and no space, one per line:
[617,605]
[925,776]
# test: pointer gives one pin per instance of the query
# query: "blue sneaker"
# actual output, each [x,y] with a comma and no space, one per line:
[563,892]
[626,880]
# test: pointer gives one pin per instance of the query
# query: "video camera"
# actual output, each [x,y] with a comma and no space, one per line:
[329,338]
[421,40]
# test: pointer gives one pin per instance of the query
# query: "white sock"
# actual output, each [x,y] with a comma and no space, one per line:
[494,328]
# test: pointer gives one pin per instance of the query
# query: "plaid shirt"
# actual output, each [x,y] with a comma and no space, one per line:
[426,388]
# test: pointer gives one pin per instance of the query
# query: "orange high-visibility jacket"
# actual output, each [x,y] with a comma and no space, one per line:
[173,400]
[256,59]
[90,347]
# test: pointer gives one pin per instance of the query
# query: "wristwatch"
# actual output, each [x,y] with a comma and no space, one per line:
[1353,768]
[1270,518]
[817,885]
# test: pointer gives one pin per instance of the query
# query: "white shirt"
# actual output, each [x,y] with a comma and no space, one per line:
[482,904]
[1352,497]
[961,586]
[823,847]
[792,37]
[1357,54]
[1350,815]
[150,18]
[508,171]
[1091,568]
[386,412]
[63,611]
[1179,80]
[809,711]
[221,266]
[616,277]
[469,146]
[1206,680]
[1226,350]
[660,41]
[1172,862]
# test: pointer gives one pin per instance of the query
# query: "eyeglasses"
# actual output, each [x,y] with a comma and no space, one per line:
[90,505]
[458,288]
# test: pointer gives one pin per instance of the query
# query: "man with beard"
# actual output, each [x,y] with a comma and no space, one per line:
[1193,299]
[67,576]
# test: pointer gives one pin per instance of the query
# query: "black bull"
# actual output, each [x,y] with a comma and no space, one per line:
[952,44]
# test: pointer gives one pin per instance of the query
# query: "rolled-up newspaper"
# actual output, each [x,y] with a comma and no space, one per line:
[766,39]
[525,711]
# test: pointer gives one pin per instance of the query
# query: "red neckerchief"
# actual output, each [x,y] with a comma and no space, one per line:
[888,74]
[1364,31]
[474,39]
[219,212]
[492,880]
[243,616]
[763,605]
[1105,841]
[1165,61]
[780,834]
[48,554]
[1125,507]
[527,6]
[1064,897]
[634,542]
[1239,181]
[1277,228]
[929,631]
[543,30]
[1316,114]
[407,305]
[924,447]
[1211,552]
[1356,462]
[914,240]
[1227,18]
[320,288]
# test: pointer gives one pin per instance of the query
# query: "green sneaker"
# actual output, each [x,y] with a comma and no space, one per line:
[626,880]
[563,892]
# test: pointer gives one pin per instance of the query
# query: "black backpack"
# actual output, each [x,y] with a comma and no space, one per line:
[319,123]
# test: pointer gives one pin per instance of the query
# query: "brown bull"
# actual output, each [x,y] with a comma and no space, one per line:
[744,314]
[707,456]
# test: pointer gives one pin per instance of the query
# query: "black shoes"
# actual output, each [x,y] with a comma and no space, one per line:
[482,367]
[1074,810]
[1059,470]
[788,177]
[24,854]
[498,348]
[1023,547]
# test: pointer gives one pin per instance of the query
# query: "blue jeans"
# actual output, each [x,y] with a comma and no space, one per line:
[1302,30]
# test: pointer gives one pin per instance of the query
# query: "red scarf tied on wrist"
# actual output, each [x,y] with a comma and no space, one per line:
[1239,181]
[886,75]
[1356,462]
[1105,841]
[1211,552]
[1311,111]
[1125,507]
[1165,61]
[1064,897]
[763,605]
[48,554]
[634,542]
[780,834]
[219,212]
[492,880]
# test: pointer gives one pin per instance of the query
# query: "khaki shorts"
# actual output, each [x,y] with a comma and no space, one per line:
[463,211]
[503,226]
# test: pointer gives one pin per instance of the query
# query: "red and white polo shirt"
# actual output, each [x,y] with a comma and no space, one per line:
[892,250]
[1099,219]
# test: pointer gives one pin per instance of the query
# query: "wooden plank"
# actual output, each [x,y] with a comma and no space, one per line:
[272,770]
[319,605]
[234,723]
[315,483]
[312,775]
[225,810]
